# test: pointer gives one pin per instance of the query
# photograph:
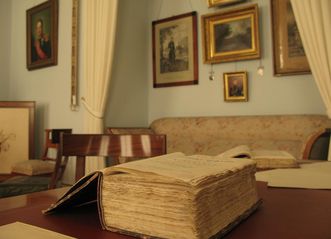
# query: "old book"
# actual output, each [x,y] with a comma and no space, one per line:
[170,196]
[264,158]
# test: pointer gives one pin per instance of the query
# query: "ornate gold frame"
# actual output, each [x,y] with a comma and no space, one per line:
[240,93]
[288,53]
[213,3]
[74,56]
[243,45]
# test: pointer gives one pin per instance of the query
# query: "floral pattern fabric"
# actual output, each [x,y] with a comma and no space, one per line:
[214,135]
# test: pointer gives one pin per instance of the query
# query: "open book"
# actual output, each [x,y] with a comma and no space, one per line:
[169,196]
[264,158]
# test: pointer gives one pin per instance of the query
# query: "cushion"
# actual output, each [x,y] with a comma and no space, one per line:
[33,167]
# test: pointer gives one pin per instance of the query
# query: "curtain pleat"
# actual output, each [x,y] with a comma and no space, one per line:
[314,23]
[99,38]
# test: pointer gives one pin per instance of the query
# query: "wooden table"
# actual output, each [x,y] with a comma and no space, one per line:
[284,214]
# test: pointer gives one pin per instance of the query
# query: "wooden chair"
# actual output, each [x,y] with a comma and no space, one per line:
[52,140]
[106,145]
[317,147]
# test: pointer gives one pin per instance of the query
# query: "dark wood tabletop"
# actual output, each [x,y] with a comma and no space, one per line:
[284,213]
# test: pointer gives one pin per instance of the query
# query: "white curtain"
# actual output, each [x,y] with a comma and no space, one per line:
[99,27]
[314,22]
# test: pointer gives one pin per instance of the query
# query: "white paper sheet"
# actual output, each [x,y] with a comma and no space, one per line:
[311,176]
[19,230]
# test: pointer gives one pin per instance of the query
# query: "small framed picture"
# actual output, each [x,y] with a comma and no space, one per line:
[41,34]
[235,86]
[288,52]
[220,3]
[175,51]
[231,35]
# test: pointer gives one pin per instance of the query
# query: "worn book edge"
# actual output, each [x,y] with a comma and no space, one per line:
[220,234]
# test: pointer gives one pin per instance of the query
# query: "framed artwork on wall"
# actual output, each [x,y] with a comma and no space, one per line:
[42,35]
[235,86]
[219,3]
[231,35]
[16,133]
[288,52]
[175,51]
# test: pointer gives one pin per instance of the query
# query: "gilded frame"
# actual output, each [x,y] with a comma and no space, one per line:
[235,86]
[216,3]
[288,52]
[42,20]
[222,44]
[175,51]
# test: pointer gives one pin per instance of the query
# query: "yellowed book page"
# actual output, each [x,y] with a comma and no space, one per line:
[276,154]
[183,168]
[19,230]
[311,176]
[238,151]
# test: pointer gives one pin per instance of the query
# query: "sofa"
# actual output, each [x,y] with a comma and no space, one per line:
[214,135]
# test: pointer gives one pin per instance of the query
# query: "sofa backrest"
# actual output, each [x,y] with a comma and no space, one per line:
[213,135]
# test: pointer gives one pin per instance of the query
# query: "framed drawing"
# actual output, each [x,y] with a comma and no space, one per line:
[235,86]
[42,35]
[288,52]
[231,35]
[175,54]
[16,133]
[213,3]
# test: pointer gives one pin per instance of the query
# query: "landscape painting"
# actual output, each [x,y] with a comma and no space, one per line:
[231,35]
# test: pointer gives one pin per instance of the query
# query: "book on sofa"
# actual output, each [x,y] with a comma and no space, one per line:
[169,196]
[264,158]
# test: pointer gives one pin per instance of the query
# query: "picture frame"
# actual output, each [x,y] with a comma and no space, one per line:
[221,3]
[288,52]
[42,35]
[17,125]
[175,51]
[235,86]
[74,55]
[231,35]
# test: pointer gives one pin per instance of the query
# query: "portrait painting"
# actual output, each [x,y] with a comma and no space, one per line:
[231,35]
[288,51]
[42,35]
[175,51]
[235,86]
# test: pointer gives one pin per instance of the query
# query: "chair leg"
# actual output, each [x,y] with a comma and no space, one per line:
[56,173]
[62,168]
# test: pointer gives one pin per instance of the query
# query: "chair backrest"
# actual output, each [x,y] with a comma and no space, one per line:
[107,145]
[52,140]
